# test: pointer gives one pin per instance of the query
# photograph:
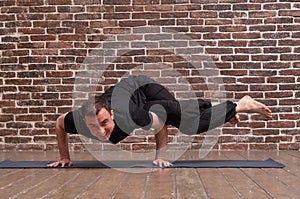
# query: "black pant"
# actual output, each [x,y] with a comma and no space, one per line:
[189,116]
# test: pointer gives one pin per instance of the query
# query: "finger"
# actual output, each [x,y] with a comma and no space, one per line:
[63,164]
[168,164]
[54,164]
[161,164]
[155,163]
[50,165]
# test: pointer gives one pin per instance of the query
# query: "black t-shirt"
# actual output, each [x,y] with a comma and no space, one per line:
[132,99]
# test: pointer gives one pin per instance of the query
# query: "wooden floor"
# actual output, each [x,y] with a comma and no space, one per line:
[157,183]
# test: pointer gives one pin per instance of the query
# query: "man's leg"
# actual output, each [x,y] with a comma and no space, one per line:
[228,112]
[216,116]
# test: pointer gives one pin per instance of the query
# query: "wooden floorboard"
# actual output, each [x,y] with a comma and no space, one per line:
[132,186]
[189,184]
[179,183]
[105,185]
[160,184]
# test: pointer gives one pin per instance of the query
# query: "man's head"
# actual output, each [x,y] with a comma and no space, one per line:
[98,117]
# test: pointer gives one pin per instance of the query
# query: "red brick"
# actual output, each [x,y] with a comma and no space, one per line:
[29,147]
[145,2]
[6,118]
[281,80]
[61,59]
[143,147]
[114,16]
[43,139]
[30,74]
[8,132]
[31,45]
[288,27]
[116,2]
[132,23]
[248,21]
[162,22]
[281,124]
[7,3]
[18,81]
[276,6]
[289,146]
[289,87]
[188,7]
[262,28]
[7,46]
[31,88]
[233,14]
[217,7]
[292,72]
[278,139]
[187,22]
[30,103]
[72,37]
[248,51]
[29,118]
[234,147]
[15,53]
[263,87]
[234,72]
[43,37]
[58,45]
[30,2]
[58,2]
[233,43]
[262,14]
[250,80]
[235,58]
[232,28]
[263,146]
[279,94]
[216,36]
[18,139]
[264,73]
[264,57]
[204,14]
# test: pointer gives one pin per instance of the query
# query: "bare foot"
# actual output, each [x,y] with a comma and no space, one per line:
[249,105]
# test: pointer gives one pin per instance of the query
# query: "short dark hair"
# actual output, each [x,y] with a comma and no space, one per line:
[93,106]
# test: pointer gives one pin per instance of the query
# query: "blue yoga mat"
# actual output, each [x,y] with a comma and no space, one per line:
[269,163]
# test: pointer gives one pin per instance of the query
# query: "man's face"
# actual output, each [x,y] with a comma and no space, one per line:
[102,125]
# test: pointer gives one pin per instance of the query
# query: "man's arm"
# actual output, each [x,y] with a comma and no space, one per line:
[63,146]
[161,138]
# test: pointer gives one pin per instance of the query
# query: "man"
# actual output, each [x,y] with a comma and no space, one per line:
[139,102]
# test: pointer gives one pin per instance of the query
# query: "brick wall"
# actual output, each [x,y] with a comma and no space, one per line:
[55,53]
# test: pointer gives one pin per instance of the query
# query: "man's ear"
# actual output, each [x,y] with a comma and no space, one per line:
[112,114]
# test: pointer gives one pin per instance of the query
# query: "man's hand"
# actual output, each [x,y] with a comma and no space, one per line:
[162,163]
[62,162]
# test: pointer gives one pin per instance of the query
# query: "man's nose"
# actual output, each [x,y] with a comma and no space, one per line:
[102,130]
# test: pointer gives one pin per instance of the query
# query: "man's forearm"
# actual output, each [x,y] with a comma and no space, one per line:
[161,139]
[63,146]
[62,138]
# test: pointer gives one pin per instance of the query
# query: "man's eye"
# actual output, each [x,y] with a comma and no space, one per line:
[94,126]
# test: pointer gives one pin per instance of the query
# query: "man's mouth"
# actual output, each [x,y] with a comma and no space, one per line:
[102,136]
